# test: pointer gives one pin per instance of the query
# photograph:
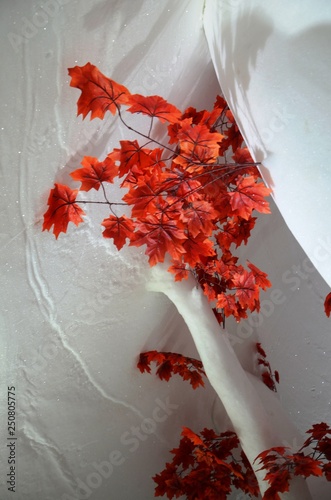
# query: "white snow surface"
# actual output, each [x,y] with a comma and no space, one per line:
[75,312]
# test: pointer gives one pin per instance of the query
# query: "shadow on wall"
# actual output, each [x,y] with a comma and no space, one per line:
[239,53]
[236,57]
[121,13]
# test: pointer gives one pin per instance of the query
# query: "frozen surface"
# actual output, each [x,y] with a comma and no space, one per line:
[75,313]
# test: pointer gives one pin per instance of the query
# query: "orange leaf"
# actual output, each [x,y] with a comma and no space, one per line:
[237,230]
[198,145]
[143,196]
[242,155]
[246,290]
[94,172]
[197,248]
[133,155]
[145,359]
[118,228]
[160,238]
[154,106]
[199,217]
[164,371]
[249,195]
[260,277]
[227,303]
[307,466]
[99,93]
[179,270]
[192,436]
[62,209]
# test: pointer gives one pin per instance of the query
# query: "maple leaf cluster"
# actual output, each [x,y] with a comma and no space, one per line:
[268,376]
[206,467]
[281,466]
[191,369]
[170,363]
[191,199]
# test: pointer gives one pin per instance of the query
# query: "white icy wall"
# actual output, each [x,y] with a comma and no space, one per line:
[75,314]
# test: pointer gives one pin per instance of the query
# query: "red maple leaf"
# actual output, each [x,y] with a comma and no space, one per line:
[185,200]
[268,377]
[164,371]
[197,248]
[183,454]
[199,218]
[94,172]
[144,362]
[195,379]
[172,363]
[319,431]
[118,228]
[242,155]
[144,196]
[260,277]
[233,138]
[197,144]
[307,466]
[159,237]
[153,106]
[204,467]
[168,483]
[145,359]
[179,270]
[260,350]
[228,303]
[62,209]
[268,381]
[246,289]
[99,93]
[248,195]
[133,155]
[236,230]
[192,436]
[327,305]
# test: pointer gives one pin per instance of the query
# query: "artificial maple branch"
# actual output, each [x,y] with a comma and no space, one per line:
[192,208]
[242,403]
